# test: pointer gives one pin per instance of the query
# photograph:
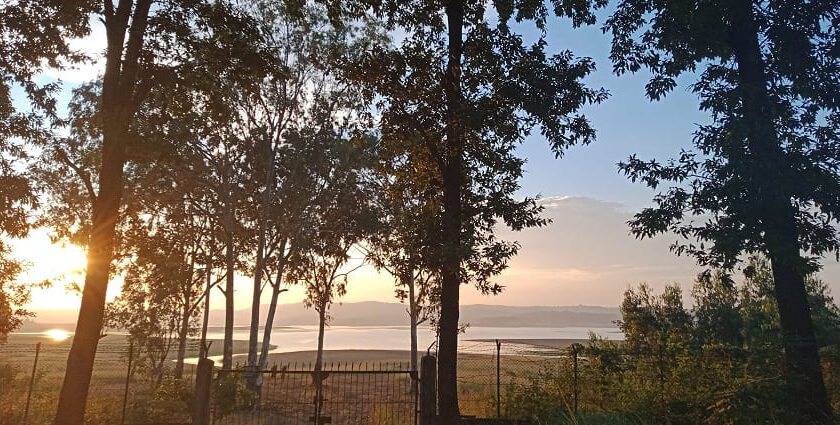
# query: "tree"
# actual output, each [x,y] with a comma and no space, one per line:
[654,323]
[13,297]
[764,178]
[293,39]
[339,219]
[216,146]
[145,47]
[172,240]
[33,37]
[470,89]
[716,310]
[407,245]
[146,309]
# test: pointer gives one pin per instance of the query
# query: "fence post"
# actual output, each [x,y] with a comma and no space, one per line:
[201,405]
[428,390]
[31,383]
[575,382]
[498,379]
[127,379]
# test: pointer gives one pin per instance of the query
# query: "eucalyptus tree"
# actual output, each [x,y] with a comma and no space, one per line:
[292,40]
[406,245]
[176,244]
[466,88]
[221,175]
[764,177]
[303,167]
[339,219]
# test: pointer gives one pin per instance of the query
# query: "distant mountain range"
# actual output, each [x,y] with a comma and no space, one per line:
[372,313]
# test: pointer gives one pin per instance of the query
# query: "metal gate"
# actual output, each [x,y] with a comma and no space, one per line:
[339,394]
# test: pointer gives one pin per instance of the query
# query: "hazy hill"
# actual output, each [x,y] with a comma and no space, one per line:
[373,313]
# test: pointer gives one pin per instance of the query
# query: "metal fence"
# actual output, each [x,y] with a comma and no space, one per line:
[127,389]
[296,394]
[494,375]
[128,386]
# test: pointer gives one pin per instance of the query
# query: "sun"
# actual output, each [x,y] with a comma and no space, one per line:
[57,334]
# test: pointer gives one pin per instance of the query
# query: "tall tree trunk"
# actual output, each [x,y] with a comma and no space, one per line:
[182,342]
[412,315]
[71,402]
[184,329]
[272,309]
[319,362]
[766,159]
[319,356]
[119,101]
[202,349]
[227,354]
[260,262]
[452,175]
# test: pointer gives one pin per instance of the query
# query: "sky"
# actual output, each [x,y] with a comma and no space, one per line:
[585,256]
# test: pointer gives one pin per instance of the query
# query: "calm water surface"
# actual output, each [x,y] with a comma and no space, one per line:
[303,338]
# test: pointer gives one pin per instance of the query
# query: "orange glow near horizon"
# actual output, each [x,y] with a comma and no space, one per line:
[60,264]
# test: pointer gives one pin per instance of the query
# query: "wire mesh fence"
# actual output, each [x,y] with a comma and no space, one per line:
[128,385]
[494,374]
[297,394]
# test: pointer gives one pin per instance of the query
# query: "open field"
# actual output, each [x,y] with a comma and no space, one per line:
[108,382]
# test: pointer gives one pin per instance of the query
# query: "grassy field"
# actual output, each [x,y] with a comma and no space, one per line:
[108,382]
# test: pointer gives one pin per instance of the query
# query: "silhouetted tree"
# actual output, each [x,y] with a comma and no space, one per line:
[13,296]
[295,41]
[34,36]
[147,309]
[407,245]
[471,89]
[172,240]
[146,46]
[340,218]
[765,177]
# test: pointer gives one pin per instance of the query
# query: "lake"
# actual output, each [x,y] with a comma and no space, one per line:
[305,338]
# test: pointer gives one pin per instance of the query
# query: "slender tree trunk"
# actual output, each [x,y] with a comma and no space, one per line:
[452,176]
[319,356]
[802,361]
[118,103]
[272,309]
[319,362]
[227,354]
[71,402]
[804,373]
[202,349]
[184,329]
[182,342]
[412,315]
[260,262]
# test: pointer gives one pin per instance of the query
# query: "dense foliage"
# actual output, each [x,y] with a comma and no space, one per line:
[717,362]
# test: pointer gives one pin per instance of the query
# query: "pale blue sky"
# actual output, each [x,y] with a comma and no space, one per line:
[626,123]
